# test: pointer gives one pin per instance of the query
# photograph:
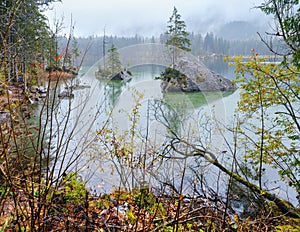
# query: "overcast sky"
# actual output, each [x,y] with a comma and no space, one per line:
[149,17]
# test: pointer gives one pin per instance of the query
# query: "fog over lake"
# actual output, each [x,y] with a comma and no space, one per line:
[149,17]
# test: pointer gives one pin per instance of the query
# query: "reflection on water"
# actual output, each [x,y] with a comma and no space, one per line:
[113,90]
[193,100]
[161,116]
[218,65]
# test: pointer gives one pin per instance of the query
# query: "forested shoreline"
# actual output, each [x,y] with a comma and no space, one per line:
[208,45]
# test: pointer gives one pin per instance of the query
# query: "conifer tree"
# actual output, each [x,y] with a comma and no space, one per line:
[177,42]
[114,64]
[178,36]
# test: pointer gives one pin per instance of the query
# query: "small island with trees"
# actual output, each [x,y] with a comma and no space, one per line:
[112,67]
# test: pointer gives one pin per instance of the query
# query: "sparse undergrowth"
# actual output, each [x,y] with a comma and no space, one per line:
[73,208]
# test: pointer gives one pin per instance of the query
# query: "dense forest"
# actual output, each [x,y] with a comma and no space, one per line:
[201,45]
[26,38]
[51,132]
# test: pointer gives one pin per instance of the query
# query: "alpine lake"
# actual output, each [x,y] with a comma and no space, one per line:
[139,115]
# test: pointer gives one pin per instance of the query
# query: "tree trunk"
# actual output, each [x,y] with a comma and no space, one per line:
[284,207]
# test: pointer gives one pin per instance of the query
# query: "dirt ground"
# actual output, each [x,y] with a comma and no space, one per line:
[56,74]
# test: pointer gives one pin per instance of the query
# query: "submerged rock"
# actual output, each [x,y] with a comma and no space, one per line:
[198,78]
[66,94]
[77,87]
[4,117]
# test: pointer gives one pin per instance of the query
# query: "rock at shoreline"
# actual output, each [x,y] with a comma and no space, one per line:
[198,78]
[77,86]
[123,76]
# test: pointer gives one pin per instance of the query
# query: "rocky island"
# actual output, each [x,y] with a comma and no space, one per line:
[189,76]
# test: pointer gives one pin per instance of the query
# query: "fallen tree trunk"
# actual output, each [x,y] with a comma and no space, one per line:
[281,204]
[285,207]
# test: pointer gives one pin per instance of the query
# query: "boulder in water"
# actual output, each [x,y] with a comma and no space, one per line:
[197,78]
[123,76]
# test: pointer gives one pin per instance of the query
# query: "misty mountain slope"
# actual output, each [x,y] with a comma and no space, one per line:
[239,30]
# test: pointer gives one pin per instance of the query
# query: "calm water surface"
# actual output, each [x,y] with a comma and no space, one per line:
[196,115]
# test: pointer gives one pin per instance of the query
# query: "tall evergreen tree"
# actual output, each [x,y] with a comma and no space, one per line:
[24,35]
[114,64]
[178,36]
[209,42]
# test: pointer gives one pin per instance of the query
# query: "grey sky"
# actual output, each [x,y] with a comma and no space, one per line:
[149,17]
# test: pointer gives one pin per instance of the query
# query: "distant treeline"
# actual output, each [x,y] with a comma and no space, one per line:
[207,45]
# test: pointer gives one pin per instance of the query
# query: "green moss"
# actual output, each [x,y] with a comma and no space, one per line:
[173,75]
[73,190]
[288,228]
